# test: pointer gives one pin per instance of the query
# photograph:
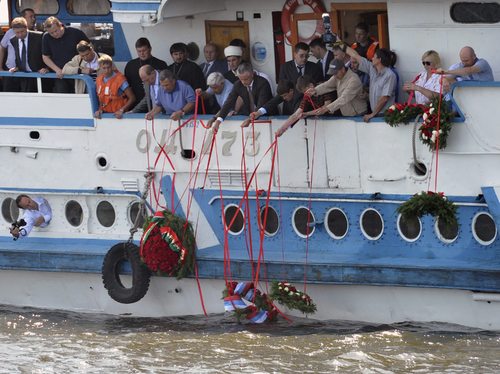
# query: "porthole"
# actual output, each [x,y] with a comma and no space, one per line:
[34,135]
[133,210]
[234,212]
[10,211]
[303,222]
[102,161]
[272,220]
[484,228]
[372,224]
[446,232]
[74,213]
[336,223]
[105,213]
[409,228]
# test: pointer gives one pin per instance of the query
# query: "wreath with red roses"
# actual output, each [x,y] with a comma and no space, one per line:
[168,245]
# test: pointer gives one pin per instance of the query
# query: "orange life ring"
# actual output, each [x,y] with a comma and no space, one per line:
[290,7]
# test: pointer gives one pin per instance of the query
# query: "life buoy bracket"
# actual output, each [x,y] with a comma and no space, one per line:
[113,261]
[291,6]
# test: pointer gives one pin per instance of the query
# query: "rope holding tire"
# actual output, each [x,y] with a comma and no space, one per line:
[116,256]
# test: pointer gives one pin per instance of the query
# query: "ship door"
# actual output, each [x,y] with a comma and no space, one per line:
[344,17]
[222,32]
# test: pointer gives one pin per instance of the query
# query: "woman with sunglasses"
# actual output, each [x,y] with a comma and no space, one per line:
[426,84]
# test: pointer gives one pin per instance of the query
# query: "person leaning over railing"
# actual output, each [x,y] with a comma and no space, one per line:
[350,99]
[175,97]
[113,91]
[382,79]
[85,62]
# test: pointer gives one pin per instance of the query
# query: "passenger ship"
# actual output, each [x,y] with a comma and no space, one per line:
[332,185]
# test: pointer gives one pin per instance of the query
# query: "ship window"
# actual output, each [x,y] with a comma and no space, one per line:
[105,213]
[101,36]
[466,12]
[409,228]
[372,224]
[10,211]
[45,7]
[336,223]
[230,212]
[272,220]
[303,222]
[133,210]
[484,228]
[74,213]
[446,232]
[88,8]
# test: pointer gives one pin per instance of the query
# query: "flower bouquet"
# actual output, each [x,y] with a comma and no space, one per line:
[402,113]
[168,245]
[435,204]
[248,302]
[436,125]
[287,295]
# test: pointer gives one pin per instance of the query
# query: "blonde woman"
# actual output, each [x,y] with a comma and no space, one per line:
[426,85]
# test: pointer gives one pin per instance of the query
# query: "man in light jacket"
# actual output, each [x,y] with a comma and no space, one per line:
[85,62]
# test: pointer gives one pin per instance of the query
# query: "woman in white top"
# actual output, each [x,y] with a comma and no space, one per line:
[426,85]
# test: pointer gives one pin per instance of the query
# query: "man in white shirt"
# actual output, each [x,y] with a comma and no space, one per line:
[37,212]
[11,84]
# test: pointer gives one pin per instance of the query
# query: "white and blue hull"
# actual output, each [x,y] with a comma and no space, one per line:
[366,269]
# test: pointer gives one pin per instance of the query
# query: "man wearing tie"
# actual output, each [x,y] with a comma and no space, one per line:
[324,56]
[212,64]
[253,90]
[11,84]
[28,51]
[297,67]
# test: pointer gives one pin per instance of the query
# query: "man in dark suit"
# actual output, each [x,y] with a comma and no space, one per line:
[299,66]
[324,56]
[184,69]
[28,51]
[254,91]
[212,64]
[143,49]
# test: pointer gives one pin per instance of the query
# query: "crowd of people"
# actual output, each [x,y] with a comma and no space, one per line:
[346,80]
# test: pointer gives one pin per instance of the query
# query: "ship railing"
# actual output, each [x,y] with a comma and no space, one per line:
[89,83]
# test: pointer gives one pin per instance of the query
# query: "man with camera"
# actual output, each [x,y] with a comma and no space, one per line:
[37,212]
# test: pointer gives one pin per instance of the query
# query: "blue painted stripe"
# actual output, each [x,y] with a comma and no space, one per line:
[59,122]
[69,191]
[89,257]
[122,52]
[138,6]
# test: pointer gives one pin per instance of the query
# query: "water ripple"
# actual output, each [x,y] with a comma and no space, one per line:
[34,341]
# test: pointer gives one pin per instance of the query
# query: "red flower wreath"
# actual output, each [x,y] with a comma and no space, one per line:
[157,254]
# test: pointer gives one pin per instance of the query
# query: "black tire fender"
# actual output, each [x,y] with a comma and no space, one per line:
[111,278]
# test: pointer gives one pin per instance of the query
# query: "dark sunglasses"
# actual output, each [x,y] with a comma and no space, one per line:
[428,63]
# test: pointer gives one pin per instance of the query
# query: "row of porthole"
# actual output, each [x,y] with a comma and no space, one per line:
[73,211]
[371,223]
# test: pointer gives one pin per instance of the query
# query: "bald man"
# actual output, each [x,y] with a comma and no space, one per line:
[470,68]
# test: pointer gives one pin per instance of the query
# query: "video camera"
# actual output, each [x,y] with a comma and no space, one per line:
[328,37]
[18,225]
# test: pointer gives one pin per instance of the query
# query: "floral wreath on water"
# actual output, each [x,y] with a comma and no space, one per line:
[250,303]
